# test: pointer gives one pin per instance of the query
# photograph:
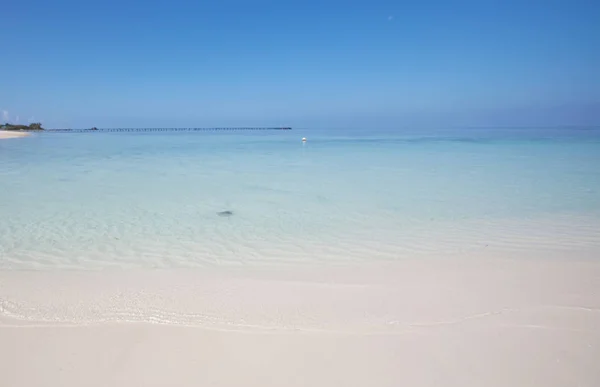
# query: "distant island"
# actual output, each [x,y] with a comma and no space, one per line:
[32,126]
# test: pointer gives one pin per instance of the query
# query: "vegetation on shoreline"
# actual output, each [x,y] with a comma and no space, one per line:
[32,126]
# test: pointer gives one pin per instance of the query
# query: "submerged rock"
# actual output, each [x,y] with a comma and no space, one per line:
[225,213]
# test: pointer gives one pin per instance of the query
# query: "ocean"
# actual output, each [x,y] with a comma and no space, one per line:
[178,200]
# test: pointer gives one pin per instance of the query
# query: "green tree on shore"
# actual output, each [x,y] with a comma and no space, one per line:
[32,126]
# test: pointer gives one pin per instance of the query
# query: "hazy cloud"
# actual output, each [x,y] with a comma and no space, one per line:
[390,18]
[4,116]
[16,119]
[31,119]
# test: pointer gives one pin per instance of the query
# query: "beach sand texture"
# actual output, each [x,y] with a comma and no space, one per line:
[419,323]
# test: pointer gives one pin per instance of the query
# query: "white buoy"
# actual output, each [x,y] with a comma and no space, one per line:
[303,139]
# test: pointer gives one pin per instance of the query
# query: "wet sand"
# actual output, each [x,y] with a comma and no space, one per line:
[473,322]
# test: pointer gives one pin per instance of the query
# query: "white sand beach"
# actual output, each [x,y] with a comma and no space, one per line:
[471,322]
[300,194]
[6,134]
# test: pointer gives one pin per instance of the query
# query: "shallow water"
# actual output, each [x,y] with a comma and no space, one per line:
[101,200]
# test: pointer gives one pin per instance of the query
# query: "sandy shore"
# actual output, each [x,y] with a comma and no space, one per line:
[5,134]
[417,323]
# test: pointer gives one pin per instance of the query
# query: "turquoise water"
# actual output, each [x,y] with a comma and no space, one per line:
[90,201]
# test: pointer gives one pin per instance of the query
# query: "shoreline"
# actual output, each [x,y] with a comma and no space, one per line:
[311,298]
[450,322]
[7,134]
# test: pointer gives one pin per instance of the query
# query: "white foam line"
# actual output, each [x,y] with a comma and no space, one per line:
[159,317]
[578,308]
[545,327]
[463,319]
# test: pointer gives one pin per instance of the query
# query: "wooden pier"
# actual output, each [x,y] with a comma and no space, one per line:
[139,130]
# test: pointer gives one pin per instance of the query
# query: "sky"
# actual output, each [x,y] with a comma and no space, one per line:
[78,64]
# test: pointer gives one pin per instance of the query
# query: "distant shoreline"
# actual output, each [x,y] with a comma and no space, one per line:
[6,134]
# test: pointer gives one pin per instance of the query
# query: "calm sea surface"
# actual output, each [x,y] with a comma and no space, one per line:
[105,200]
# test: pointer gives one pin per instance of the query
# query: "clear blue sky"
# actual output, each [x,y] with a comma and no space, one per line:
[303,63]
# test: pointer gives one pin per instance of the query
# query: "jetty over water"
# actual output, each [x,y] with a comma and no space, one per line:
[133,130]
